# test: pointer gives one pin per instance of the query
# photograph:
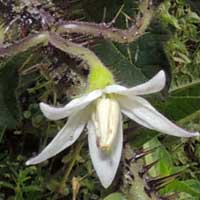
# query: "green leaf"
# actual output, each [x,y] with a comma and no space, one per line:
[165,165]
[183,103]
[189,186]
[135,63]
[115,196]
[123,69]
[9,105]
[9,109]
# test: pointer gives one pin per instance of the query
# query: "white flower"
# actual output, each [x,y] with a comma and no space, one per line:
[101,111]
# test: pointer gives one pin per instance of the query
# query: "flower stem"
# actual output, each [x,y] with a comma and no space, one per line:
[99,76]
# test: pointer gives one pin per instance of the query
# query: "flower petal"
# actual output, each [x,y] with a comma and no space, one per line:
[114,89]
[156,84]
[55,113]
[106,165]
[144,113]
[65,137]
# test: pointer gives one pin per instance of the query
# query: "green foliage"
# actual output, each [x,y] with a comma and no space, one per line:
[18,181]
[164,166]
[190,186]
[133,64]
[115,196]
[9,107]
[181,105]
[136,62]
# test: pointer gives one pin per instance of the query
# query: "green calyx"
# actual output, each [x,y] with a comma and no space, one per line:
[99,77]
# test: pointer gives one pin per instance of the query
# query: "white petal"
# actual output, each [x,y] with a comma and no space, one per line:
[65,137]
[144,113]
[114,89]
[156,84]
[55,113]
[105,165]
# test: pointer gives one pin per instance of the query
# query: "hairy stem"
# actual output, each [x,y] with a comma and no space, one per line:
[96,66]
[57,41]
[74,49]
[25,44]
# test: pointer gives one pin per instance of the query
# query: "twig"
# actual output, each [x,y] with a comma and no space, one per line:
[104,30]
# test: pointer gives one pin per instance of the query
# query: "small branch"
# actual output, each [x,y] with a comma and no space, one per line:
[24,44]
[118,35]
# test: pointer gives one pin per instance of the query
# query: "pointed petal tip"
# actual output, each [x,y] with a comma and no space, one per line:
[34,161]
[105,165]
[43,107]
[155,84]
[141,111]
[106,184]
[53,113]
[196,134]
[41,104]
[105,181]
[28,162]
[162,73]
[161,78]
[189,134]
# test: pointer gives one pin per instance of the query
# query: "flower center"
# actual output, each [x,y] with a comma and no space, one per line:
[106,120]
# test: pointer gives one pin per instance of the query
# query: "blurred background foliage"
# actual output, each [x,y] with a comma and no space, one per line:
[47,74]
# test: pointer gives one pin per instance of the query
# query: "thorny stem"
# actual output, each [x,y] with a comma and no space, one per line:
[137,190]
[114,34]
[118,35]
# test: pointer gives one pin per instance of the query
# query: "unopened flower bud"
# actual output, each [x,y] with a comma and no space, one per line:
[106,119]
